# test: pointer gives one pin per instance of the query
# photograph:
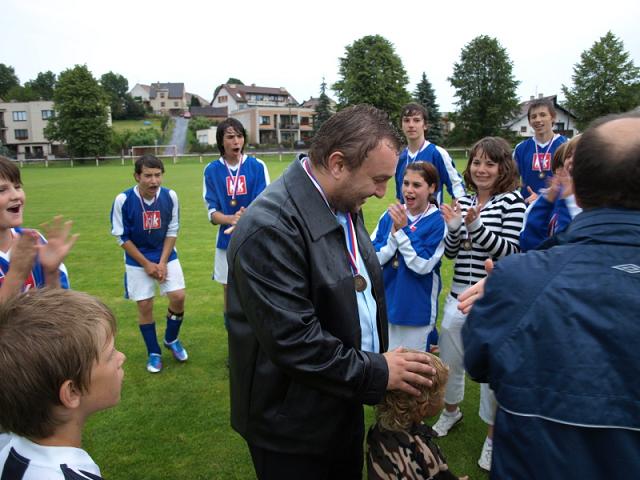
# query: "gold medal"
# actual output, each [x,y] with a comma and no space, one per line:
[395,263]
[233,202]
[467,244]
[541,175]
[360,283]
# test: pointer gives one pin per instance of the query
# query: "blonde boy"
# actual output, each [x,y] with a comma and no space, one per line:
[59,365]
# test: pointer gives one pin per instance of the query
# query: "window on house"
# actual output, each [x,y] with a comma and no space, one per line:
[175,104]
[222,98]
[161,94]
[265,120]
[19,116]
[47,114]
[560,126]
[304,120]
[523,129]
[21,133]
[162,104]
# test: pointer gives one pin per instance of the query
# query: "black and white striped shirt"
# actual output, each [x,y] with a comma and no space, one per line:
[495,234]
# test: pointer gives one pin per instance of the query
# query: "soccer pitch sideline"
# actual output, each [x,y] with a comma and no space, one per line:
[176,424]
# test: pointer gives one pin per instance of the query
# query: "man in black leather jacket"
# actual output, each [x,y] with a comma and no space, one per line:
[306,334]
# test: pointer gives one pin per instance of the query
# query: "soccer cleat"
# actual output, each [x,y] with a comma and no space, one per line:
[447,422]
[178,351]
[484,462]
[154,364]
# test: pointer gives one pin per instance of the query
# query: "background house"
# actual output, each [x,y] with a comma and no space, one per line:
[22,129]
[564,124]
[269,115]
[168,98]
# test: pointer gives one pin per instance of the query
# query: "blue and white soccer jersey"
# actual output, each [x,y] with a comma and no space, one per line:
[410,260]
[36,278]
[146,223]
[218,190]
[534,164]
[438,156]
[22,459]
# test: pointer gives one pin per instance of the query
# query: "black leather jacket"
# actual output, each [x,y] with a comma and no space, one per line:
[298,379]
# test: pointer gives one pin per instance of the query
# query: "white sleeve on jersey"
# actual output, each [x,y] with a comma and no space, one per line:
[267,180]
[416,263]
[174,224]
[454,177]
[117,226]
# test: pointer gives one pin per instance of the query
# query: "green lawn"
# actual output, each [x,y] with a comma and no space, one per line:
[121,125]
[176,424]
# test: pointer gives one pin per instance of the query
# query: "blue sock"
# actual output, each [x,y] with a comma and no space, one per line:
[148,331]
[174,320]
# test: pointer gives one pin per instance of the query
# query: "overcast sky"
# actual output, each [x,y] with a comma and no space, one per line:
[293,44]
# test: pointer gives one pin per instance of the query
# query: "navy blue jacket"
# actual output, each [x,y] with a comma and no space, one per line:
[557,337]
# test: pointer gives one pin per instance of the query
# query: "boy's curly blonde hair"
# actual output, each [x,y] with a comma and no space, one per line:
[397,411]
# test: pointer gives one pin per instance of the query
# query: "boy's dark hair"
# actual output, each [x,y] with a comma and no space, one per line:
[498,150]
[541,102]
[605,169]
[9,171]
[222,127]
[47,337]
[149,161]
[429,174]
[354,132]
[414,109]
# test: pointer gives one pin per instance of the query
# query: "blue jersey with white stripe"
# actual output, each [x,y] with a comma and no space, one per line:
[443,162]
[145,223]
[218,185]
[36,278]
[533,164]
[410,261]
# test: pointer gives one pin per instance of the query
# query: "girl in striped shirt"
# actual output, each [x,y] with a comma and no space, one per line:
[481,226]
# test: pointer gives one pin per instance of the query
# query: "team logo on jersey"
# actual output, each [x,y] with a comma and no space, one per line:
[628,267]
[240,188]
[29,283]
[541,162]
[151,220]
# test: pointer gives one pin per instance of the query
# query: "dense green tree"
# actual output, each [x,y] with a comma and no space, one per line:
[485,88]
[116,86]
[194,102]
[373,73]
[323,110]
[604,81]
[8,79]
[21,94]
[81,114]
[235,81]
[43,85]
[425,95]
[135,109]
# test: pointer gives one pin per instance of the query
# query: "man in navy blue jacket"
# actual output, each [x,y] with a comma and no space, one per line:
[556,333]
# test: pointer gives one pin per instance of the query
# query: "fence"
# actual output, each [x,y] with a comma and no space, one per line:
[175,157]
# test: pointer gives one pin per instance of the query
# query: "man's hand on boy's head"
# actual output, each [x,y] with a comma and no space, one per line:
[407,369]
[59,243]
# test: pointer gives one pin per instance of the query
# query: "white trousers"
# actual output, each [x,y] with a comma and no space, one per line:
[409,336]
[452,353]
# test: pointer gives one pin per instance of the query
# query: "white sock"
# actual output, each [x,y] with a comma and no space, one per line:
[451,414]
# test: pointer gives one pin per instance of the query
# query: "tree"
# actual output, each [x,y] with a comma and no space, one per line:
[21,94]
[195,102]
[235,81]
[116,87]
[485,88]
[604,81]
[373,73]
[8,79]
[323,110]
[43,85]
[81,114]
[426,96]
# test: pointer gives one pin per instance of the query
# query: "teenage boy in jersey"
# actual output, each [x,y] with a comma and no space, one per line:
[533,156]
[59,366]
[145,221]
[230,184]
[415,123]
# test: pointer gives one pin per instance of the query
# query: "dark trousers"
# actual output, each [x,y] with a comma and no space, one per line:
[341,463]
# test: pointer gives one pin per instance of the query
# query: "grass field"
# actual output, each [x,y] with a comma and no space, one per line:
[176,424]
[121,125]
